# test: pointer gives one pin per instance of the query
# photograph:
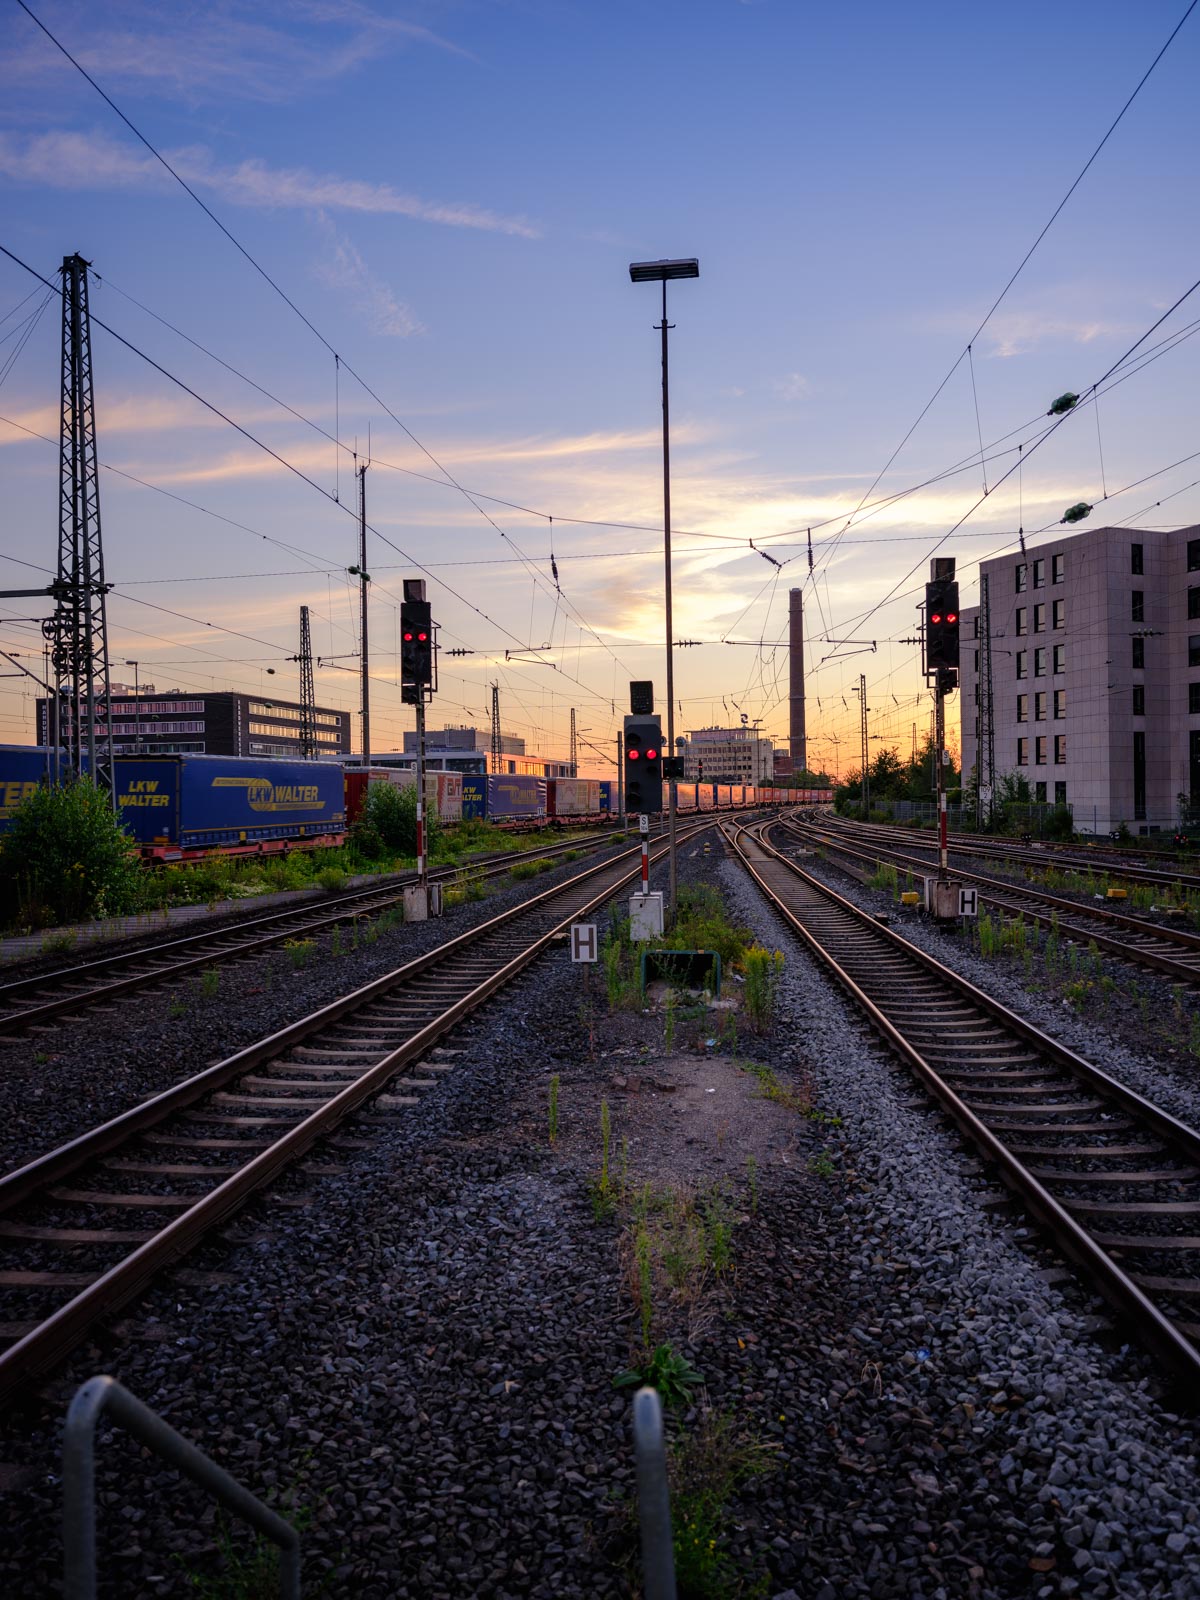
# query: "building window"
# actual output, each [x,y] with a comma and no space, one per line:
[1039,662]
[1023,575]
[1039,619]
[1194,762]
[1056,569]
[1039,706]
[1039,751]
[1139,775]
[1060,614]
[1022,708]
[1193,604]
[1139,699]
[1039,574]
[1022,658]
[1021,628]
[1194,649]
[974,627]
[1060,749]
[1135,560]
[1060,705]
[1194,555]
[1023,753]
[1039,793]
[1137,609]
[1060,658]
[977,663]
[1194,699]
[1139,653]
[1060,794]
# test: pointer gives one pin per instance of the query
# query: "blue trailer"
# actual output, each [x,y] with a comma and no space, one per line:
[608,795]
[22,768]
[179,804]
[503,797]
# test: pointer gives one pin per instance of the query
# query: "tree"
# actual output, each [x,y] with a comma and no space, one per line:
[66,857]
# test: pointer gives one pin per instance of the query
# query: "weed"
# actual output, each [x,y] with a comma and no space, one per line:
[752,1179]
[554,1081]
[669,1024]
[623,1185]
[530,869]
[886,877]
[821,1166]
[602,1190]
[335,941]
[645,1279]
[1078,992]
[175,1007]
[58,944]
[210,982]
[666,1370]
[300,951]
[332,879]
[40,1058]
[706,1467]
[728,1032]
[718,1230]
[763,969]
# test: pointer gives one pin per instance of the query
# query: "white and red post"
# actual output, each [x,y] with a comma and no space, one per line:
[644,829]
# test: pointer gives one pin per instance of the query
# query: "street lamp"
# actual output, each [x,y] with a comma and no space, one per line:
[665,272]
[137,710]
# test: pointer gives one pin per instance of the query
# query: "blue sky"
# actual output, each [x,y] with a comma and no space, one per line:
[452,193]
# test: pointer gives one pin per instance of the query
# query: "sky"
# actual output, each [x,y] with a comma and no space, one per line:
[449,195]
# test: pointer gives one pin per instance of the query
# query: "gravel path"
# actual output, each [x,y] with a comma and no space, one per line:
[420,1349]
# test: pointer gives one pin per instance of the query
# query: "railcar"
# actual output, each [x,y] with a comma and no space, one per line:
[573,798]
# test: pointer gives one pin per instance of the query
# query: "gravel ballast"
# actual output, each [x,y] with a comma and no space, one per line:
[421,1347]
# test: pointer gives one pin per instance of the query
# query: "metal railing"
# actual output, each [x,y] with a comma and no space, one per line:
[654,1502]
[103,1394]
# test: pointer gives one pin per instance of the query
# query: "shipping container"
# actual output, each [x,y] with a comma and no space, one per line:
[173,804]
[474,797]
[22,768]
[572,797]
[515,795]
[724,796]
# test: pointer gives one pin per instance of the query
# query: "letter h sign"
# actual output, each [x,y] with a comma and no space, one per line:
[584,944]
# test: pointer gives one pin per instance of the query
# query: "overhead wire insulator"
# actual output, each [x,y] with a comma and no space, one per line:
[1064,403]
[1076,513]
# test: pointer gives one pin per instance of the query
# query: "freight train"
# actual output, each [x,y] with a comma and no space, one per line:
[179,807]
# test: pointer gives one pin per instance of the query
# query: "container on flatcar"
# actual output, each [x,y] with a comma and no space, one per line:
[724,796]
[177,803]
[474,797]
[515,794]
[572,797]
[608,795]
[22,768]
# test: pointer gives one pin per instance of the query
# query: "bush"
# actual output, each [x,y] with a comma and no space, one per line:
[389,822]
[65,857]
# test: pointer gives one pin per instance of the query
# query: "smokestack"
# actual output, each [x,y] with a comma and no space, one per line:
[797,742]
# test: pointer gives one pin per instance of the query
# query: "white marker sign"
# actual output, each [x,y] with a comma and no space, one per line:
[968,902]
[585,946]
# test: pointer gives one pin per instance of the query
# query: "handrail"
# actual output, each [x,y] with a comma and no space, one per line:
[101,1394]
[654,1503]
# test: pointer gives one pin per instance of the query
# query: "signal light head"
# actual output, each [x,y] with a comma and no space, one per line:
[936,617]
[633,754]
[651,755]
[952,616]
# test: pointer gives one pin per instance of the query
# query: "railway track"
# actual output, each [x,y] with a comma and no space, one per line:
[1114,1179]
[1173,952]
[46,998]
[185,1161]
[1069,858]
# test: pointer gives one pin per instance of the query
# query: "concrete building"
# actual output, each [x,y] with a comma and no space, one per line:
[469,750]
[463,738]
[217,724]
[728,755]
[1095,650]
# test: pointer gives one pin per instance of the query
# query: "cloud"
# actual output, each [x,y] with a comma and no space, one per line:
[272,52]
[794,386]
[68,160]
[1015,333]
[372,298]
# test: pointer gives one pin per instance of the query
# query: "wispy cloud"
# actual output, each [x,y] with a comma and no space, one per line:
[373,299]
[69,160]
[792,386]
[1017,332]
[273,52]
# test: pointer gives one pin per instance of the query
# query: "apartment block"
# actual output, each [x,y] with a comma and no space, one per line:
[1095,673]
[728,755]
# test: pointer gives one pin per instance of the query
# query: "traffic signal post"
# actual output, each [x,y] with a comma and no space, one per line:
[418,682]
[944,896]
[642,771]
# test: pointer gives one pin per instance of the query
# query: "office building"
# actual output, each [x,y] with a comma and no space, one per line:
[1095,675]
[728,755]
[217,724]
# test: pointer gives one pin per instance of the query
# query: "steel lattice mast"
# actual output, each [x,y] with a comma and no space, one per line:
[78,630]
[496,742]
[308,692]
[574,747]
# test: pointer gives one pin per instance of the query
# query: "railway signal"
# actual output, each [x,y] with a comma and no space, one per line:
[416,650]
[643,765]
[941,624]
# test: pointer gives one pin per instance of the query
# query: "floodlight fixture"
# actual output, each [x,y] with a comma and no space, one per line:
[663,271]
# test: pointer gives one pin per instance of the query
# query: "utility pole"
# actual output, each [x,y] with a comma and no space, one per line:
[574,747]
[866,771]
[78,630]
[364,579]
[308,692]
[620,774]
[496,740]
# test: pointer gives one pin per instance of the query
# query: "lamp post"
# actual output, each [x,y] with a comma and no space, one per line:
[137,710]
[664,272]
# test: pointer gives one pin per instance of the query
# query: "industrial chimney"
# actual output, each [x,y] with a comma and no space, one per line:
[797,742]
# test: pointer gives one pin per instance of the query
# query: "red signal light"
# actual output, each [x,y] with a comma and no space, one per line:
[936,617]
[422,637]
[632,755]
[651,755]
[952,616]
[408,638]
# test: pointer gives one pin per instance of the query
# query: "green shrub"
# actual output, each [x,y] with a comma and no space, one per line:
[389,822]
[65,857]
[331,879]
[763,969]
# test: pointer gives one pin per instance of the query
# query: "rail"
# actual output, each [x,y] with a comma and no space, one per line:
[104,1394]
